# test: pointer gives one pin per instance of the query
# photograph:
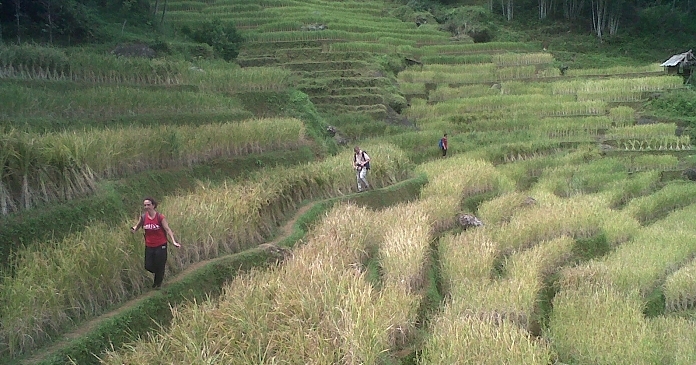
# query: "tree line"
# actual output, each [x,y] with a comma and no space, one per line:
[66,21]
[81,21]
[603,17]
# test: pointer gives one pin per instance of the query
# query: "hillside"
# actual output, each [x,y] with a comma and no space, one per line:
[578,165]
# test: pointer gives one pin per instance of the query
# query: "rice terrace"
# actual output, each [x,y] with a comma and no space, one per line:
[558,229]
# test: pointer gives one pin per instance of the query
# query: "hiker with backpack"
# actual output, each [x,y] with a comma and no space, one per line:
[361,163]
[443,145]
[156,230]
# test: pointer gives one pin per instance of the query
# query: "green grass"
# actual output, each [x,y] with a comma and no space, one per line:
[678,106]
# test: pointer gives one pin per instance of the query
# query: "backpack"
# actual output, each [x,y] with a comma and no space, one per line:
[367,165]
[158,216]
[441,144]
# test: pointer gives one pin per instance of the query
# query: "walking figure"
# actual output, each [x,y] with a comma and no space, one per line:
[443,145]
[156,230]
[361,163]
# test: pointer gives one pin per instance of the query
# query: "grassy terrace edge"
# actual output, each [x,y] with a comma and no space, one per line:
[114,198]
[154,312]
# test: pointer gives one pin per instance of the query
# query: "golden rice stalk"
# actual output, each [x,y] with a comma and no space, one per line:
[655,251]
[596,324]
[317,308]
[456,178]
[622,115]
[248,79]
[215,219]
[674,336]
[680,289]
[467,259]
[235,329]
[75,279]
[540,261]
[670,197]
[616,70]
[642,131]
[500,209]
[459,339]
[515,296]
[404,250]
[520,59]
[577,217]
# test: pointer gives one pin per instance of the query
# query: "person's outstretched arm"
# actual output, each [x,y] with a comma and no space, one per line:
[165,225]
[136,227]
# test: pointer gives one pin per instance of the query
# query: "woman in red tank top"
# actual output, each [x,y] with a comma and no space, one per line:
[156,230]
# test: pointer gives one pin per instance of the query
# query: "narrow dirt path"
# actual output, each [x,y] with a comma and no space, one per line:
[87,327]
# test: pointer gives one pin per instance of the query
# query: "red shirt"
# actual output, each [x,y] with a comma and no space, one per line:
[155,235]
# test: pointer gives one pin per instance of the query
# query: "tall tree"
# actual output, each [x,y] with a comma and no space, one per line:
[49,14]
[613,24]
[605,17]
[0,26]
[18,9]
[508,8]
[599,16]
[545,7]
[572,8]
[164,10]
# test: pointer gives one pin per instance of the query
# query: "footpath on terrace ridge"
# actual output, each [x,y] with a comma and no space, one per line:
[77,341]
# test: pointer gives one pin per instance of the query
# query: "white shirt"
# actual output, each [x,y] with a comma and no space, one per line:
[361,157]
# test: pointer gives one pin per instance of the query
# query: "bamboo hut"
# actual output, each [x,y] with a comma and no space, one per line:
[681,64]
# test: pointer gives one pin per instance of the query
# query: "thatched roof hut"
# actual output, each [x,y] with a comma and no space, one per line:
[680,64]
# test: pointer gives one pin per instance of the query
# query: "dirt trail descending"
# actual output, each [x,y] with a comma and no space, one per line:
[90,325]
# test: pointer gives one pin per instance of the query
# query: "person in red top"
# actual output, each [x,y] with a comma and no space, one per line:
[156,230]
[443,145]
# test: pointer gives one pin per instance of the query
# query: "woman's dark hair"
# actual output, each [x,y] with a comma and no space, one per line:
[154,203]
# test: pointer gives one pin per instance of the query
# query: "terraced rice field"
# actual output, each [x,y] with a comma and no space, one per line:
[586,254]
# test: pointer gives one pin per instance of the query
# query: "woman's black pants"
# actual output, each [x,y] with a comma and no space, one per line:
[155,261]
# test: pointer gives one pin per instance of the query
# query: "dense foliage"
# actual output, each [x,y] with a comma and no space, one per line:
[604,18]
[66,21]
[675,104]
[638,29]
[224,38]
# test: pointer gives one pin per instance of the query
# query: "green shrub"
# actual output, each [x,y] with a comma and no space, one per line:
[392,64]
[222,37]
[162,47]
[200,50]
[677,103]
[664,21]
[403,13]
[474,21]
[299,106]
[396,102]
